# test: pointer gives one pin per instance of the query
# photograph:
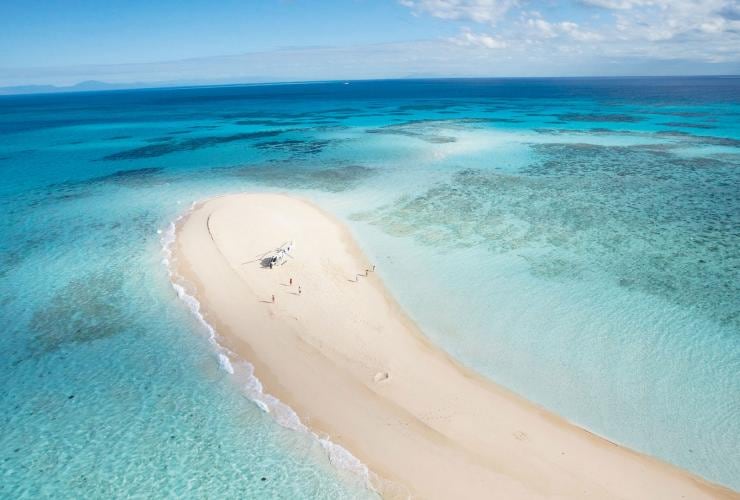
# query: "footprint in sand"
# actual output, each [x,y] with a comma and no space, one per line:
[381,376]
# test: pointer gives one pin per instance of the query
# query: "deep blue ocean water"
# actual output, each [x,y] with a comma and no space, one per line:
[576,240]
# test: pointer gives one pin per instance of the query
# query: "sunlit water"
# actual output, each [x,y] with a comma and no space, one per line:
[577,241]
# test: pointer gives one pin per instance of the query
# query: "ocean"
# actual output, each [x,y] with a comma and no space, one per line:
[575,240]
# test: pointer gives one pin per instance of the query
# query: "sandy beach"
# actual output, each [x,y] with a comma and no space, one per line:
[356,369]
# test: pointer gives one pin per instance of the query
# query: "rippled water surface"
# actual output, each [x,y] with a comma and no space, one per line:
[577,241]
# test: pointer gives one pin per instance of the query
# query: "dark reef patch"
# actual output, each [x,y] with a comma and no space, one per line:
[56,193]
[286,174]
[503,120]
[327,123]
[679,138]
[161,149]
[342,111]
[155,140]
[688,125]
[682,114]
[295,147]
[595,117]
[86,309]
[646,218]
[329,128]
[728,158]
[706,140]
[73,190]
[150,151]
[269,123]
[204,127]
[133,178]
[600,131]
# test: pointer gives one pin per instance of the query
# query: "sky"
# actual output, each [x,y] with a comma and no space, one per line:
[64,42]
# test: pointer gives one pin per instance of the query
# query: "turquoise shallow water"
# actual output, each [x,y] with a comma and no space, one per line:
[577,241]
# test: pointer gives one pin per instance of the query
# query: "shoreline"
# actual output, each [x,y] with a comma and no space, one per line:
[354,367]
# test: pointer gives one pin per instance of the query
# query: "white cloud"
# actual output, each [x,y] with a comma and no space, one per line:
[659,20]
[480,11]
[701,30]
[576,33]
[467,38]
[622,4]
[544,29]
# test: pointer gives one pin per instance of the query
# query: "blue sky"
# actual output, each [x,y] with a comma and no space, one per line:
[63,42]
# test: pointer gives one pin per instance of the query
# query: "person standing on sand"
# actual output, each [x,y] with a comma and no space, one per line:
[299,290]
[366,271]
[291,281]
[273,299]
[373,267]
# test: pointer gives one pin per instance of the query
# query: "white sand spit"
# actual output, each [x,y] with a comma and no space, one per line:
[355,368]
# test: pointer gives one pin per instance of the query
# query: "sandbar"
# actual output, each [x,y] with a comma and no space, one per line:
[356,369]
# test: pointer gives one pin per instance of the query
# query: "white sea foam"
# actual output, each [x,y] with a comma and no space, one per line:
[225,363]
[283,414]
[341,458]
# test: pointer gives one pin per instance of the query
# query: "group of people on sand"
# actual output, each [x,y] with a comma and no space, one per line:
[290,283]
[367,272]
[300,291]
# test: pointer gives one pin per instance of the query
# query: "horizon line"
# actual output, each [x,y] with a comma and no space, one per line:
[50,89]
